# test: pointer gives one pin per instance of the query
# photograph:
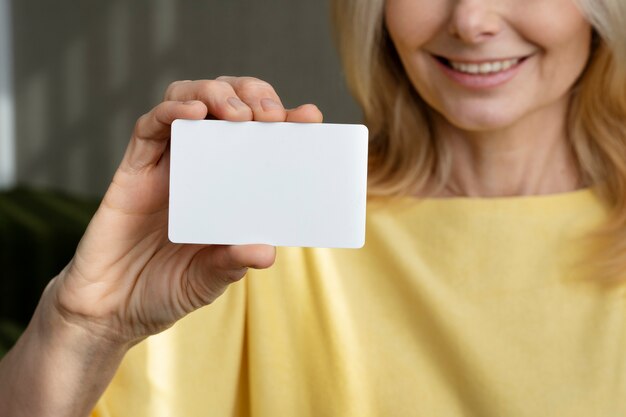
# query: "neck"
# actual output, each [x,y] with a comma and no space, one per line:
[531,157]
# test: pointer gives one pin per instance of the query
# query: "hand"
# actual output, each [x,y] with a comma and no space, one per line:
[127,280]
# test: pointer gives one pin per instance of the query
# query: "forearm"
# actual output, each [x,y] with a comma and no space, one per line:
[56,368]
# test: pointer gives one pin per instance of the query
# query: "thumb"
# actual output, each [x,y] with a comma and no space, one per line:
[215,267]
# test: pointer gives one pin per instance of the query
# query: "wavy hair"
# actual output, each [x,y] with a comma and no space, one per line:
[405,158]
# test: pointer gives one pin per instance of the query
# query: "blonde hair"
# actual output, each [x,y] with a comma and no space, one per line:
[405,158]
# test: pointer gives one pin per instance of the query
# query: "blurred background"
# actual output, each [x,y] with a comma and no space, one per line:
[74,77]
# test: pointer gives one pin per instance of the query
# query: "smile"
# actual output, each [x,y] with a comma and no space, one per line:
[481,74]
[482,68]
[485,67]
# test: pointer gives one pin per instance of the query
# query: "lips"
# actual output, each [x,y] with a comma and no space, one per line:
[481,74]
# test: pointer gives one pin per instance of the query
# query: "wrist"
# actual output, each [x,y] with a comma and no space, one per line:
[56,324]
[76,349]
[57,367]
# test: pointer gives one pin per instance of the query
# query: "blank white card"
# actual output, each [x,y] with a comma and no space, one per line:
[284,184]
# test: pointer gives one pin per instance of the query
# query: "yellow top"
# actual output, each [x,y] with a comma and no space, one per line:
[455,307]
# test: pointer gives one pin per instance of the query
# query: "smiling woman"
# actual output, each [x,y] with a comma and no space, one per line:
[496,126]
[450,55]
[437,81]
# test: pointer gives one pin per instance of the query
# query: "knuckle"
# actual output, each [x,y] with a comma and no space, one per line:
[221,84]
[255,86]
[204,86]
[169,91]
[210,87]
[141,121]
[254,80]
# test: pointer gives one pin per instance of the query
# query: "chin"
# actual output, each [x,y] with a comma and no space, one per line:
[480,121]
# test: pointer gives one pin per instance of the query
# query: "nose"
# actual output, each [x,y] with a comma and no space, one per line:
[474,21]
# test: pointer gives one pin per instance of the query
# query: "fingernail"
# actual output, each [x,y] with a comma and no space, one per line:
[269,104]
[190,102]
[236,103]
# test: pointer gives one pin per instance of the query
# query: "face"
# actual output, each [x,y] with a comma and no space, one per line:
[488,64]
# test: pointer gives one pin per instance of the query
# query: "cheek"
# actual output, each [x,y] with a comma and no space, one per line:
[411,23]
[565,52]
[556,27]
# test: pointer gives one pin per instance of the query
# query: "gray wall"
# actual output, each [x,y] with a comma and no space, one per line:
[85,70]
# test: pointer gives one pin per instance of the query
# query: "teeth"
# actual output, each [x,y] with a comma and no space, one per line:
[484,68]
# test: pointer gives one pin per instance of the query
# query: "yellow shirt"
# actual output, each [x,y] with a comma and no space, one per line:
[454,307]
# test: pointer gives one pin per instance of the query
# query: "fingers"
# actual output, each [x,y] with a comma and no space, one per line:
[220,98]
[215,267]
[307,113]
[149,138]
[225,98]
[232,98]
[241,99]
[260,96]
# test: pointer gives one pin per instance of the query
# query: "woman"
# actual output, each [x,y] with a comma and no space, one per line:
[457,305]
